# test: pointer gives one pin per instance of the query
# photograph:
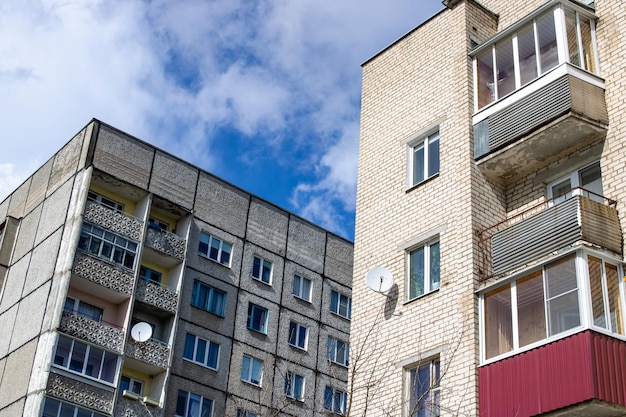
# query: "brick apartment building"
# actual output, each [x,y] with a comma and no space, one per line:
[135,284]
[492,187]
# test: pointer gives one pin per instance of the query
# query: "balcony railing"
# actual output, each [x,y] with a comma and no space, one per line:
[128,407]
[152,351]
[80,393]
[104,335]
[165,242]
[157,295]
[106,274]
[112,220]
[543,229]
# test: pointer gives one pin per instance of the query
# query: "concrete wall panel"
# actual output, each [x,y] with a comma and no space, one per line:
[338,261]
[18,200]
[42,262]
[7,321]
[54,211]
[173,180]
[307,308]
[270,291]
[18,366]
[14,283]
[68,160]
[29,317]
[268,226]
[38,186]
[306,244]
[26,235]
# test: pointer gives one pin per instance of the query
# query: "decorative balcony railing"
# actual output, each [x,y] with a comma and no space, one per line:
[544,229]
[98,333]
[152,351]
[80,393]
[128,407]
[157,295]
[168,243]
[114,277]
[112,220]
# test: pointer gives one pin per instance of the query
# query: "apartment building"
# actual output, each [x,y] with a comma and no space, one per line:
[135,284]
[492,195]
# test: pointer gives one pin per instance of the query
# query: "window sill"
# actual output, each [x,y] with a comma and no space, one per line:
[200,364]
[419,297]
[257,331]
[202,255]
[419,184]
[252,384]
[297,347]
[207,311]
[339,363]
[260,281]
[339,315]
[297,297]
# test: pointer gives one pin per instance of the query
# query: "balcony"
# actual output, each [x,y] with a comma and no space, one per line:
[106,336]
[165,242]
[581,375]
[153,352]
[536,125]
[130,407]
[107,274]
[80,393]
[543,230]
[157,295]
[112,220]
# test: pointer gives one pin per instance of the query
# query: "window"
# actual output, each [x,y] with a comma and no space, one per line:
[302,287]
[424,391]
[241,413]
[257,318]
[423,269]
[105,202]
[85,359]
[252,370]
[262,270]
[55,408]
[158,224]
[208,298]
[586,181]
[423,158]
[338,351]
[294,386]
[215,249]
[200,351]
[149,275]
[131,384]
[517,58]
[298,335]
[83,309]
[335,400]
[107,245]
[189,404]
[341,305]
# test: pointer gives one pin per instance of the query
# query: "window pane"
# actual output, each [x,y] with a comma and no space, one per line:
[563,312]
[256,267]
[226,249]
[597,296]
[527,54]
[93,362]
[416,273]
[498,322]
[433,155]
[215,246]
[181,403]
[591,180]
[78,357]
[306,289]
[214,350]
[561,276]
[50,407]
[328,398]
[334,302]
[562,305]
[615,306]
[434,266]
[62,354]
[109,367]
[190,341]
[484,67]
[505,67]
[588,47]
[200,350]
[418,164]
[572,37]
[548,55]
[531,315]
[267,271]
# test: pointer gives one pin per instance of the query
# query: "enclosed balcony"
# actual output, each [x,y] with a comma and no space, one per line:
[109,218]
[547,228]
[538,94]
[93,331]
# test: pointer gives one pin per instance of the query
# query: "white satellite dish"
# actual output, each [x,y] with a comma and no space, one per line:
[141,332]
[379,279]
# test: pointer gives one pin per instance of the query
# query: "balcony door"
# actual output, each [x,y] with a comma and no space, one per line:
[589,179]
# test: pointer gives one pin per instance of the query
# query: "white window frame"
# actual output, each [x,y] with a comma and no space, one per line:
[194,353]
[242,413]
[261,269]
[89,350]
[338,351]
[50,402]
[210,301]
[224,254]
[575,186]
[106,239]
[433,390]
[111,204]
[295,329]
[298,287]
[252,309]
[428,285]
[76,307]
[248,370]
[339,300]
[426,141]
[131,382]
[146,273]
[158,224]
[198,398]
[291,390]
[342,395]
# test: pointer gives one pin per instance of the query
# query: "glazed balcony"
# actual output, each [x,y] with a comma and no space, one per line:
[96,332]
[581,375]
[131,405]
[540,231]
[106,274]
[112,220]
[165,242]
[80,393]
[153,352]
[157,295]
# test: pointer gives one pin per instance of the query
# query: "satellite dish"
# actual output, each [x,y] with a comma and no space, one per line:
[141,332]
[379,279]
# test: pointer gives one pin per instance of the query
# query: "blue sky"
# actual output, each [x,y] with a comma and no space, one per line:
[264,94]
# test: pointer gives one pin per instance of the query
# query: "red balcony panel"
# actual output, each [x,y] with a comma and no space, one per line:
[578,368]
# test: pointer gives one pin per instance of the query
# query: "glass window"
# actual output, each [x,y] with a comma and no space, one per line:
[531,317]
[425,158]
[262,270]
[107,245]
[505,66]
[562,296]
[189,404]
[215,249]
[85,359]
[294,385]
[341,305]
[335,400]
[423,269]
[252,370]
[424,390]
[484,78]
[158,224]
[257,318]
[149,275]
[586,181]
[208,298]
[131,384]
[338,351]
[298,335]
[105,201]
[201,351]
[302,287]
[527,54]
[242,413]
[55,408]
[83,309]
[498,322]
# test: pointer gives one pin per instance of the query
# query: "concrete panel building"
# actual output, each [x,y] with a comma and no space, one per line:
[135,284]
[492,189]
